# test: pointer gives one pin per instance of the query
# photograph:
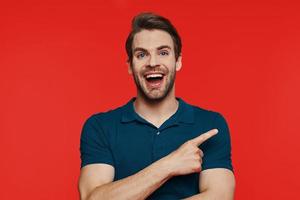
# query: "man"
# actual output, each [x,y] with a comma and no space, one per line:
[156,146]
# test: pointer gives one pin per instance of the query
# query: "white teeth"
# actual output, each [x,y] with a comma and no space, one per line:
[154,75]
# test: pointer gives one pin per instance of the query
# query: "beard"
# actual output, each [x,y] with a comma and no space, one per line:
[155,94]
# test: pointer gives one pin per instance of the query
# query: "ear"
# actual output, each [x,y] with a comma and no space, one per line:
[129,67]
[178,63]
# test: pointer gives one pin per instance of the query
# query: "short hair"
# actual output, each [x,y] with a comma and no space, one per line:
[151,21]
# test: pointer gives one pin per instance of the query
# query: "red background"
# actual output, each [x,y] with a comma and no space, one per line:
[63,61]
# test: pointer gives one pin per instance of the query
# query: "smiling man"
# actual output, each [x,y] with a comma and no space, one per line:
[156,146]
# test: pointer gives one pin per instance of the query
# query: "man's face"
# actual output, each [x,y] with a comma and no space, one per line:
[154,64]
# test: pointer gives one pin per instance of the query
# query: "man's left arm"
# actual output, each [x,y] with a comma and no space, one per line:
[216,180]
[215,184]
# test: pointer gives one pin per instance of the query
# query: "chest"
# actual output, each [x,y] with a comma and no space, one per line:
[138,147]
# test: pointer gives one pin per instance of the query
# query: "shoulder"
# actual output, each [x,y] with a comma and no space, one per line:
[206,115]
[106,118]
[205,119]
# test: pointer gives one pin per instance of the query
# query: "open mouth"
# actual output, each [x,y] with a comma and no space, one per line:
[155,79]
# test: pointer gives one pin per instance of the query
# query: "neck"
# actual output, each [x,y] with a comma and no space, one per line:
[156,112]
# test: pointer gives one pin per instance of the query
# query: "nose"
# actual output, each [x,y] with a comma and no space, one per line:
[153,61]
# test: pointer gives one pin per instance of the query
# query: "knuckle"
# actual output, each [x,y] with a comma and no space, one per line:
[200,161]
[197,168]
[183,145]
[200,167]
[201,153]
[186,143]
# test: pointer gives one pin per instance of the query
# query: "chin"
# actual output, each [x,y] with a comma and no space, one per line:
[155,97]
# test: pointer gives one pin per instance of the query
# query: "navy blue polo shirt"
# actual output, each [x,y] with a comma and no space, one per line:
[129,143]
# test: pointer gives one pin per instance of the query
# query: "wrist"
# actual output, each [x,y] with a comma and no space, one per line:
[165,167]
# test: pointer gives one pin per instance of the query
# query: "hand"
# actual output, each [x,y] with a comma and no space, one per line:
[188,157]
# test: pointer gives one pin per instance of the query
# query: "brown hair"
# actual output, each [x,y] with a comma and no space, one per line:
[151,21]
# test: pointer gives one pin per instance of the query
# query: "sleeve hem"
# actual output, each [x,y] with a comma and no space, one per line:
[97,162]
[217,166]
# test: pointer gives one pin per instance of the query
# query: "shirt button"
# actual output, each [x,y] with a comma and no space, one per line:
[158,133]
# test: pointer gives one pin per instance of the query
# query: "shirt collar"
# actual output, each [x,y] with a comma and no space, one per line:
[184,114]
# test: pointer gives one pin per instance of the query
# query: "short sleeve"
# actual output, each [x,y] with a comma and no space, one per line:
[217,150]
[94,146]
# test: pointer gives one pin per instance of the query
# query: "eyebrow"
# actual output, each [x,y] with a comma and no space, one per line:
[144,50]
[139,49]
[163,47]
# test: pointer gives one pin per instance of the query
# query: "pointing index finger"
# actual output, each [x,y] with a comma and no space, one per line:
[205,136]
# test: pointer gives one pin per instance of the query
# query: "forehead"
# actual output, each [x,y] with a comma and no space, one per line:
[151,39]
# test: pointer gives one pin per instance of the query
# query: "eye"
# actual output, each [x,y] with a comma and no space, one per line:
[164,53]
[140,55]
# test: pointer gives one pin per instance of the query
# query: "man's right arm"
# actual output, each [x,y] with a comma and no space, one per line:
[96,180]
